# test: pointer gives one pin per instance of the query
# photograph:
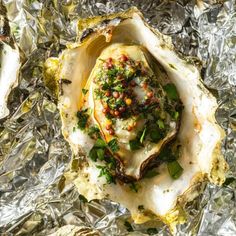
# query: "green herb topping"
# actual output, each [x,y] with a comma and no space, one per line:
[82,118]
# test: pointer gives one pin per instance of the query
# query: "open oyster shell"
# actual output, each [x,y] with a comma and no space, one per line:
[8,75]
[199,135]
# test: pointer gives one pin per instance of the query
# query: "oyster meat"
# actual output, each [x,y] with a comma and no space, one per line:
[139,120]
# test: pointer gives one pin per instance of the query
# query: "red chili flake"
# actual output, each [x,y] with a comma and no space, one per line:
[108,126]
[116,94]
[129,128]
[124,58]
[122,95]
[109,60]
[119,77]
[150,94]
[111,132]
[105,105]
[108,94]
[117,113]
[144,85]
[105,110]
[121,109]
[108,65]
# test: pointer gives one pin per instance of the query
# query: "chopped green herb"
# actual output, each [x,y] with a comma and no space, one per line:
[113,145]
[128,226]
[152,231]
[74,129]
[100,154]
[140,207]
[166,155]
[176,115]
[111,162]
[82,198]
[104,171]
[134,144]
[82,118]
[143,135]
[94,132]
[171,91]
[100,143]
[134,187]
[150,174]
[175,170]
[84,91]
[161,124]
[155,135]
[93,154]
[112,72]
[119,88]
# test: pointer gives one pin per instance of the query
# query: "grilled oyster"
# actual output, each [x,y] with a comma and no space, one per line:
[121,93]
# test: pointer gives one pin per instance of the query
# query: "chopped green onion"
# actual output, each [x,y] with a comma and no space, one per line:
[171,91]
[161,124]
[176,115]
[113,145]
[151,173]
[175,169]
[143,135]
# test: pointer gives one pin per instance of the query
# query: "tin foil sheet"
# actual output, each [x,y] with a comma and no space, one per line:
[34,199]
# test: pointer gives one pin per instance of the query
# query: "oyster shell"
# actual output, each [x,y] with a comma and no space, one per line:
[8,75]
[161,195]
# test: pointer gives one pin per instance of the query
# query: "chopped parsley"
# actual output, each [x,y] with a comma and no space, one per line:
[84,91]
[104,171]
[113,145]
[82,118]
[94,132]
[134,144]
[171,91]
[100,143]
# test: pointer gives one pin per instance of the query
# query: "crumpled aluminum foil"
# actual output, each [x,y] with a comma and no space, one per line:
[33,154]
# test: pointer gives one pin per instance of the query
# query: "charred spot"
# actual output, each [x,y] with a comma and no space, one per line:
[65,81]
[86,33]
